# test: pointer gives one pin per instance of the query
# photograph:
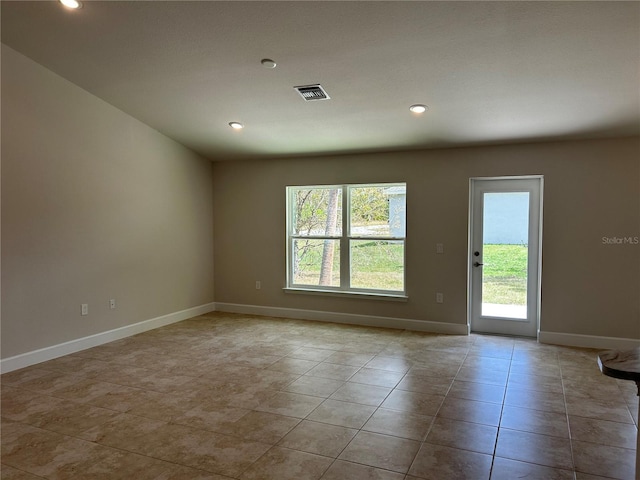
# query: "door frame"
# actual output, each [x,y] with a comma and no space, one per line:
[534,207]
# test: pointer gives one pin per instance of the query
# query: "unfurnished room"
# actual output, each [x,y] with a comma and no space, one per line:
[320,240]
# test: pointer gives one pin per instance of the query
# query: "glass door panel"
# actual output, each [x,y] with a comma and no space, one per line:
[505,255]
[505,248]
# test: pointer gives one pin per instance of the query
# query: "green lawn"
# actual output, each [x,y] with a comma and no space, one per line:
[376,265]
[505,274]
[380,265]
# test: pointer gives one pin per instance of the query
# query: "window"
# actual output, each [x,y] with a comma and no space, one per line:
[347,238]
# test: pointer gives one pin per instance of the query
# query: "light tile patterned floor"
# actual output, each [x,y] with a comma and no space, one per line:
[226,396]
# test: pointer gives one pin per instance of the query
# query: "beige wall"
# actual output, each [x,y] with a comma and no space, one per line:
[591,190]
[95,205]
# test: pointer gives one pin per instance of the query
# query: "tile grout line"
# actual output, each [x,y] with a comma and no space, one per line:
[435,415]
[337,457]
[566,409]
[504,397]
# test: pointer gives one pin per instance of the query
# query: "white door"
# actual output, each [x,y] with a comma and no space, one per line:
[505,255]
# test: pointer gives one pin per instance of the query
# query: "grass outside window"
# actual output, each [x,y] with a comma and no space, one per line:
[504,274]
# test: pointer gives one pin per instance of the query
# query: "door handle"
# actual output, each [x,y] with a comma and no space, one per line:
[477,264]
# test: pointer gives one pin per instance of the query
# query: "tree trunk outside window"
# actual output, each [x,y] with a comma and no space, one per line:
[326,268]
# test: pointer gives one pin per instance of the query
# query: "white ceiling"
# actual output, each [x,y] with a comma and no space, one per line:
[490,72]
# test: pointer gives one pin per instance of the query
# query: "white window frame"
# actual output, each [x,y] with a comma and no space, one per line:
[344,239]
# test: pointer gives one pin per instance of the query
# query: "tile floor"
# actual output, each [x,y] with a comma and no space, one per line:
[226,396]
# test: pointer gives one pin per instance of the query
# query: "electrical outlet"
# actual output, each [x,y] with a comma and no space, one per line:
[84,309]
[258,285]
[439,248]
[112,303]
[439,298]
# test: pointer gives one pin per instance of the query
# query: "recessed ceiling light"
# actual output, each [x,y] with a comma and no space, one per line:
[268,63]
[236,125]
[75,4]
[418,108]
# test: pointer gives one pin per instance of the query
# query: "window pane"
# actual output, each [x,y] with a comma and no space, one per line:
[317,212]
[378,211]
[505,254]
[316,262]
[377,264]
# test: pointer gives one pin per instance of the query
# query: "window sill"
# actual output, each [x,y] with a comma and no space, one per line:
[393,297]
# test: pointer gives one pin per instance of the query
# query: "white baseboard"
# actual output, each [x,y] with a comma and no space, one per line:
[42,355]
[566,339]
[588,341]
[348,318]
[55,351]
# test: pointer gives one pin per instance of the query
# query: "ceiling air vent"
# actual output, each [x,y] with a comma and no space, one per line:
[312,92]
